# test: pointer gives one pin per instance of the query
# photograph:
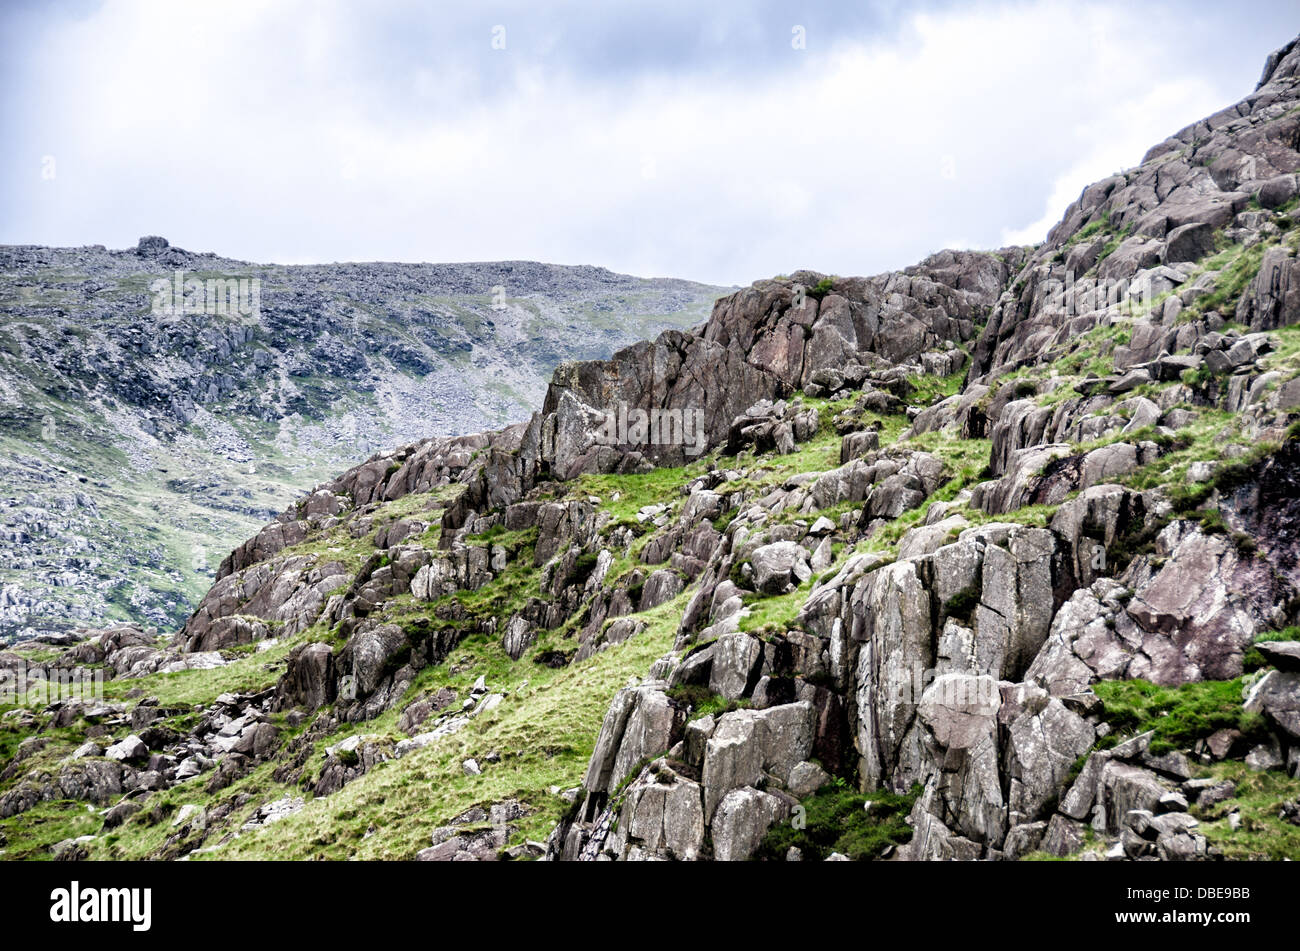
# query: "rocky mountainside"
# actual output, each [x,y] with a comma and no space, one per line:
[993,557]
[149,428]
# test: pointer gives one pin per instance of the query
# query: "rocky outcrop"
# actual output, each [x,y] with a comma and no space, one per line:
[324,363]
[916,600]
[1196,183]
[764,343]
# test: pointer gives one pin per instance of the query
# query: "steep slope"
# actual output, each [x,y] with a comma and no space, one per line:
[994,557]
[141,445]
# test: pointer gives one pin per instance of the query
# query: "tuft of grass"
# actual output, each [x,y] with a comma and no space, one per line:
[1261,833]
[1254,660]
[29,835]
[835,820]
[1238,266]
[703,702]
[1179,715]
[1096,226]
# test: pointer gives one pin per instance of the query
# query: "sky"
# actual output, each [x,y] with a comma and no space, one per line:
[720,142]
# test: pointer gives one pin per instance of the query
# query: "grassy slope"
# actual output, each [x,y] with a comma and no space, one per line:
[545,729]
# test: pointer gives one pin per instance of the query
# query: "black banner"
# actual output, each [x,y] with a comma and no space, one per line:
[146,902]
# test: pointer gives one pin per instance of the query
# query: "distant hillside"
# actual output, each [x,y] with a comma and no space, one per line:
[139,446]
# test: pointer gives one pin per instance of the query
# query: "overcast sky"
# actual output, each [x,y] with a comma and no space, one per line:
[659,139]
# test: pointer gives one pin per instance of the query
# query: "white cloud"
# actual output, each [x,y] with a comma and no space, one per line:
[248,130]
[1116,142]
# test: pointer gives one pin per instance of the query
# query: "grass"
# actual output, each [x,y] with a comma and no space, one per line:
[1200,441]
[544,731]
[29,835]
[835,820]
[545,728]
[1094,227]
[777,613]
[1261,833]
[634,491]
[247,674]
[1115,241]
[702,702]
[1179,716]
[1254,660]
[1237,266]
[928,390]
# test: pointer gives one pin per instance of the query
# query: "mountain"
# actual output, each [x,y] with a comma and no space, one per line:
[149,426]
[994,557]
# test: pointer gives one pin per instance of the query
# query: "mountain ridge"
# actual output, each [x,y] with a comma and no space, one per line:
[994,557]
[97,378]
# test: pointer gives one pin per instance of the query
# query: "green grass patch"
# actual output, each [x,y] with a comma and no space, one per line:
[835,819]
[1261,833]
[1179,716]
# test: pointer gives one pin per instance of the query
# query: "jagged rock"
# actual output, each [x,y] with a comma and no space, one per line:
[1273,298]
[896,630]
[960,713]
[1023,839]
[1196,615]
[1016,601]
[463,568]
[120,813]
[91,780]
[926,539]
[370,656]
[1045,475]
[1044,742]
[1189,242]
[640,722]
[130,749]
[661,587]
[778,426]
[735,662]
[779,565]
[932,841]
[1284,655]
[518,636]
[662,819]
[192,815]
[956,658]
[806,778]
[747,743]
[1063,837]
[308,680]
[743,817]
[1082,646]
[1122,788]
[1093,522]
[1277,696]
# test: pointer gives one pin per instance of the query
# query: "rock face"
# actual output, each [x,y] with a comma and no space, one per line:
[769,340]
[965,666]
[1197,182]
[884,569]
